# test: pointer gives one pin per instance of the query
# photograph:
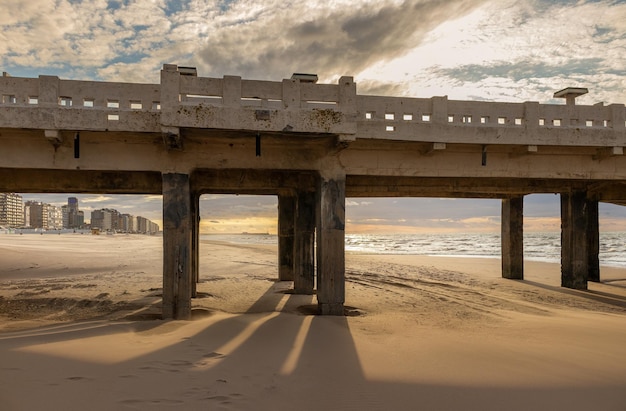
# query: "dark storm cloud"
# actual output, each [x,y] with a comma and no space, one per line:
[344,40]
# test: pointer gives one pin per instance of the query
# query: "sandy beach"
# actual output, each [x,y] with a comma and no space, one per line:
[80,329]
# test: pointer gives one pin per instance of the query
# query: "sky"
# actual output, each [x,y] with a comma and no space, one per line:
[490,50]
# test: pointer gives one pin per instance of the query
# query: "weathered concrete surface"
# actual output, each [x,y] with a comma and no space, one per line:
[512,237]
[331,219]
[574,240]
[177,246]
[195,243]
[593,241]
[286,235]
[304,250]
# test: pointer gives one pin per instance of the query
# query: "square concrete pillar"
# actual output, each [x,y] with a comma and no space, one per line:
[286,227]
[593,241]
[177,246]
[512,237]
[304,250]
[331,210]
[574,240]
[195,242]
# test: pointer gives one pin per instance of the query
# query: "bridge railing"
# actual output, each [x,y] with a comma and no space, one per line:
[233,103]
[79,105]
[292,105]
[50,91]
[399,118]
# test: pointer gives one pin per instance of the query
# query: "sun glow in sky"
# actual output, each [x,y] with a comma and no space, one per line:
[492,50]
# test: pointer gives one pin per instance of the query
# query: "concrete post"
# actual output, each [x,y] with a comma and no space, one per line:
[48,91]
[177,246]
[593,241]
[170,95]
[439,110]
[574,242]
[331,210]
[304,250]
[512,237]
[286,224]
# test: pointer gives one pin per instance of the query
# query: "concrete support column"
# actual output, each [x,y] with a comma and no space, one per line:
[177,246]
[574,240]
[286,227]
[593,241]
[512,237]
[331,210]
[195,243]
[304,250]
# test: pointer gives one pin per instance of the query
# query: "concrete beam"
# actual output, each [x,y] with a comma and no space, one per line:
[513,238]
[177,246]
[574,240]
[331,208]
[28,180]
[286,225]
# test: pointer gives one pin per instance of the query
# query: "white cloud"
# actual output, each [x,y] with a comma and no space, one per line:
[97,199]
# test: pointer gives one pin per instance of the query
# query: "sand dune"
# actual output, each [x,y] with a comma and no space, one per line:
[80,329]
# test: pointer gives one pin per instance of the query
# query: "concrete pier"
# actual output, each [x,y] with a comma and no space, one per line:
[286,234]
[574,240]
[195,243]
[512,237]
[331,210]
[593,241]
[177,246]
[304,250]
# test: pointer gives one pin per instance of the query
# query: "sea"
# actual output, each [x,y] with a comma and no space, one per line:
[538,246]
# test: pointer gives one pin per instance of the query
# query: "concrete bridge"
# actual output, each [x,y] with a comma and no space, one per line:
[312,145]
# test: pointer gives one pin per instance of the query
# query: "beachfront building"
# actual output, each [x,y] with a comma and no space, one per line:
[11,210]
[145,226]
[55,218]
[103,219]
[38,214]
[72,216]
[128,223]
[108,219]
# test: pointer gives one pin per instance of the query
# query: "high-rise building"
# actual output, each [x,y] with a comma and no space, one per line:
[55,218]
[127,223]
[11,210]
[38,213]
[146,226]
[72,216]
[105,219]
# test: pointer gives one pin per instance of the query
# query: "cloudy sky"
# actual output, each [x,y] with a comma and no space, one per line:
[494,50]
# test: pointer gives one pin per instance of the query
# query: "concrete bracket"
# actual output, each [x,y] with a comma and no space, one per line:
[54,137]
[172,138]
[434,147]
[343,140]
[523,151]
[607,152]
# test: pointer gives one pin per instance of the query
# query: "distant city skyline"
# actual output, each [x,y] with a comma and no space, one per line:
[249,213]
[36,213]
